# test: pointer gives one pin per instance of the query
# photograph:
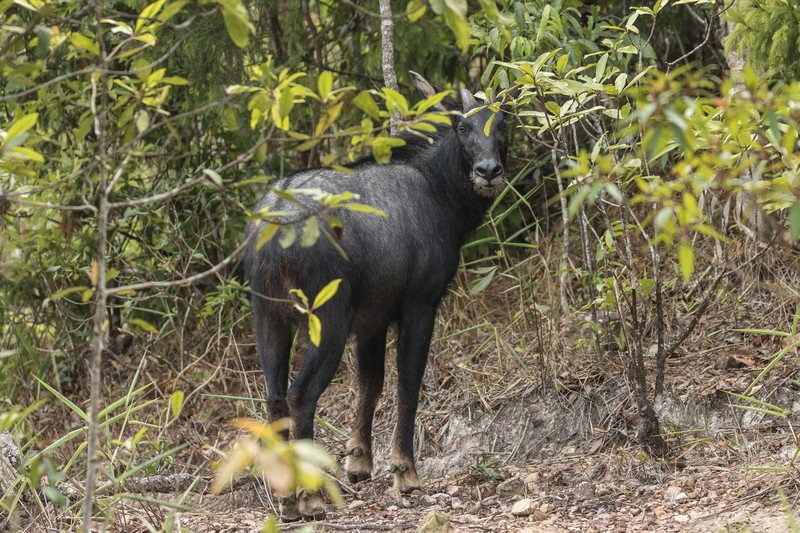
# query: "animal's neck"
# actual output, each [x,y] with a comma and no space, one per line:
[449,177]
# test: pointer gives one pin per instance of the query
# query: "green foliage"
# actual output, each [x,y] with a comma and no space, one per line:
[287,466]
[768,32]
[314,325]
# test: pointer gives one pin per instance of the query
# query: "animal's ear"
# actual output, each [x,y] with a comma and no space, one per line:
[467,100]
[427,89]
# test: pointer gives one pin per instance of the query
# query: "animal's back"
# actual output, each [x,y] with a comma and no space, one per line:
[385,261]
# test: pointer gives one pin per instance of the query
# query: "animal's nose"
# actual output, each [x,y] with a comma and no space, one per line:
[488,169]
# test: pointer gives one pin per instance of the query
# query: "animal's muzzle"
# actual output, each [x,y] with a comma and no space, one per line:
[488,177]
[488,170]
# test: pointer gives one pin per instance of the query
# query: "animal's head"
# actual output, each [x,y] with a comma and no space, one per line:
[483,149]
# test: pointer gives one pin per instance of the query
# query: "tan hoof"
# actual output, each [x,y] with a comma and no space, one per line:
[406,479]
[287,507]
[311,506]
[358,465]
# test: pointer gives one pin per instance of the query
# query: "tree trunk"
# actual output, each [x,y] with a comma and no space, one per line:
[387,48]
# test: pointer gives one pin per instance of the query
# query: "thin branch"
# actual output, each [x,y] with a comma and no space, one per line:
[47,205]
[562,279]
[707,299]
[101,296]
[183,281]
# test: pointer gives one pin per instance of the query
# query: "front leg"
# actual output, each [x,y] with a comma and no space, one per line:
[416,329]
[370,355]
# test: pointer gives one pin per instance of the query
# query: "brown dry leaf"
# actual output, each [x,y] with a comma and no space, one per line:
[596,445]
[93,274]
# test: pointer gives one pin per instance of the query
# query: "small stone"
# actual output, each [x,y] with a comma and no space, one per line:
[426,501]
[523,507]
[682,518]
[453,491]
[584,490]
[487,489]
[356,504]
[392,508]
[675,495]
[532,479]
[545,508]
[511,488]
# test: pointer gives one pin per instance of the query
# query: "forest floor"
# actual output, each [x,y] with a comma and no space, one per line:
[517,458]
[521,428]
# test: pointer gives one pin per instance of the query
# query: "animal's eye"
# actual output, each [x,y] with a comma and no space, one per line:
[462,129]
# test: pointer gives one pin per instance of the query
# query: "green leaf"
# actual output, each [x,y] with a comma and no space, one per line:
[230,119]
[288,236]
[174,80]
[142,120]
[600,69]
[84,43]
[415,9]
[214,176]
[176,403]
[794,221]
[314,329]
[171,9]
[67,292]
[325,84]
[364,208]
[311,232]
[286,102]
[267,232]
[149,13]
[395,101]
[144,325]
[543,23]
[455,16]
[686,259]
[326,293]
[20,126]
[236,21]
[484,281]
[488,126]
[365,103]
[25,154]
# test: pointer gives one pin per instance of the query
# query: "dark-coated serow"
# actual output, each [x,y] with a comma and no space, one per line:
[393,270]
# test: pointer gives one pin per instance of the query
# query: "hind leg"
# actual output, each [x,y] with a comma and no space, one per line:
[370,356]
[274,342]
[314,376]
